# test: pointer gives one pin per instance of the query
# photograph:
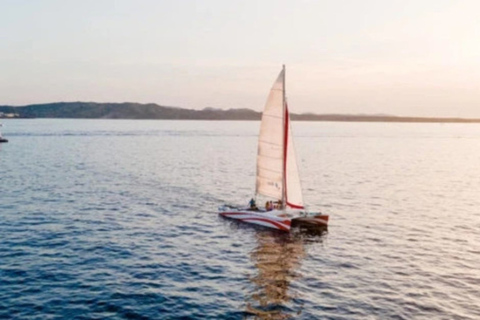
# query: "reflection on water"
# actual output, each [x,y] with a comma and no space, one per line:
[278,257]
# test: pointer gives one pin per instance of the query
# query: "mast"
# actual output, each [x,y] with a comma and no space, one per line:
[284,131]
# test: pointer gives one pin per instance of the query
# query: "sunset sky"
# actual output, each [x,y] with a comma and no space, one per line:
[407,58]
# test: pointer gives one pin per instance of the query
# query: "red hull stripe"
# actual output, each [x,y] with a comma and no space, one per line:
[282,225]
[275,223]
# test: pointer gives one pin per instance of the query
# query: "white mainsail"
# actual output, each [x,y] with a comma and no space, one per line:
[270,144]
[277,173]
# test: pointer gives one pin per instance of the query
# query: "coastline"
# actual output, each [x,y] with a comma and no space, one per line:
[136,111]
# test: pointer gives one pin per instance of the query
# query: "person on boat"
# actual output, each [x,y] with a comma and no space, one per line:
[268,206]
[253,205]
[278,205]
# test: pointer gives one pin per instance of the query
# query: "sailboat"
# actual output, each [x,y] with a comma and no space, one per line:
[277,173]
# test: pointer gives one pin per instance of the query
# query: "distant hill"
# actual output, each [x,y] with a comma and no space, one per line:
[127,110]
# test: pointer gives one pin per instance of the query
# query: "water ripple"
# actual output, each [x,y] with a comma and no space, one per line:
[116,220]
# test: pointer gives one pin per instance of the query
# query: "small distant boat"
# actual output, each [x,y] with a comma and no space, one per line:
[277,179]
[2,139]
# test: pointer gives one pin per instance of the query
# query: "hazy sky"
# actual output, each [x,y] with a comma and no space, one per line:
[412,58]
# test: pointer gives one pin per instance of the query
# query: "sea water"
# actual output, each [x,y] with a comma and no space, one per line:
[117,219]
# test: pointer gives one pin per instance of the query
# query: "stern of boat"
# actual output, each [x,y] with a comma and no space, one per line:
[311,219]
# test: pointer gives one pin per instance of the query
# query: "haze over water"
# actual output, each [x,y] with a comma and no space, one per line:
[103,219]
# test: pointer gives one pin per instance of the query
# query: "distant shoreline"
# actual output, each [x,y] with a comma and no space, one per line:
[350,119]
[136,111]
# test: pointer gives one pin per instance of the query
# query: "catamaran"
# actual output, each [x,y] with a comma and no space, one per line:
[277,173]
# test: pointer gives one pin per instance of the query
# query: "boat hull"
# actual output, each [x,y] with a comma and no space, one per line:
[270,219]
[3,140]
[312,220]
[275,219]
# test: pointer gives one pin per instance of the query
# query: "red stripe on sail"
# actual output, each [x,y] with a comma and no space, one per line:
[285,151]
[285,142]
[294,206]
